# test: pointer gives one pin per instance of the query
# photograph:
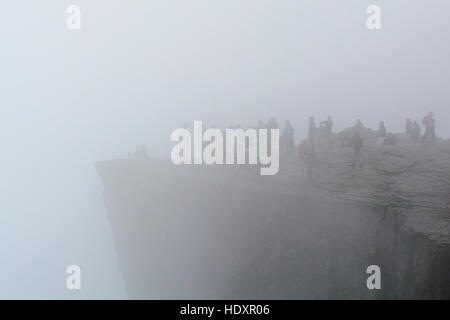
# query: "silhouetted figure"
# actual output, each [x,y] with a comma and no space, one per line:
[359,127]
[312,128]
[288,137]
[430,128]
[357,144]
[381,134]
[325,132]
[416,131]
[328,125]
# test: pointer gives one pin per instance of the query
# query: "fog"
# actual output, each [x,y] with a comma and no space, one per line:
[138,70]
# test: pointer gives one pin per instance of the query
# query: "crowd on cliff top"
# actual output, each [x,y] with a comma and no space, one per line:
[322,137]
[355,137]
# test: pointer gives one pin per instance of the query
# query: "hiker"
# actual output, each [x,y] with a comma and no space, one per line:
[328,125]
[381,134]
[325,133]
[430,127]
[357,144]
[416,131]
[288,137]
[359,127]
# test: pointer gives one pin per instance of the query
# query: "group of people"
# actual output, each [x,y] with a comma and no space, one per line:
[306,148]
[322,136]
[413,130]
[430,128]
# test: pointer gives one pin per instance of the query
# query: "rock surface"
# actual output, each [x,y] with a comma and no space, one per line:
[414,178]
[225,232]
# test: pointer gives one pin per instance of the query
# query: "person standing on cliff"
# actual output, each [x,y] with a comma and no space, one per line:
[328,125]
[430,127]
[359,127]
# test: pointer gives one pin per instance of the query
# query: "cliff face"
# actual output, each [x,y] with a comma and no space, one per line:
[413,178]
[225,232]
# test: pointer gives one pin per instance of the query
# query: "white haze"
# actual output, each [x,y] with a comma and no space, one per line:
[139,69]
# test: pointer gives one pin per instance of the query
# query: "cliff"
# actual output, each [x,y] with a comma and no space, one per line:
[226,232]
[412,178]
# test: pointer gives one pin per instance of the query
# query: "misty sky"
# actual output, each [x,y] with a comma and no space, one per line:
[139,69]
